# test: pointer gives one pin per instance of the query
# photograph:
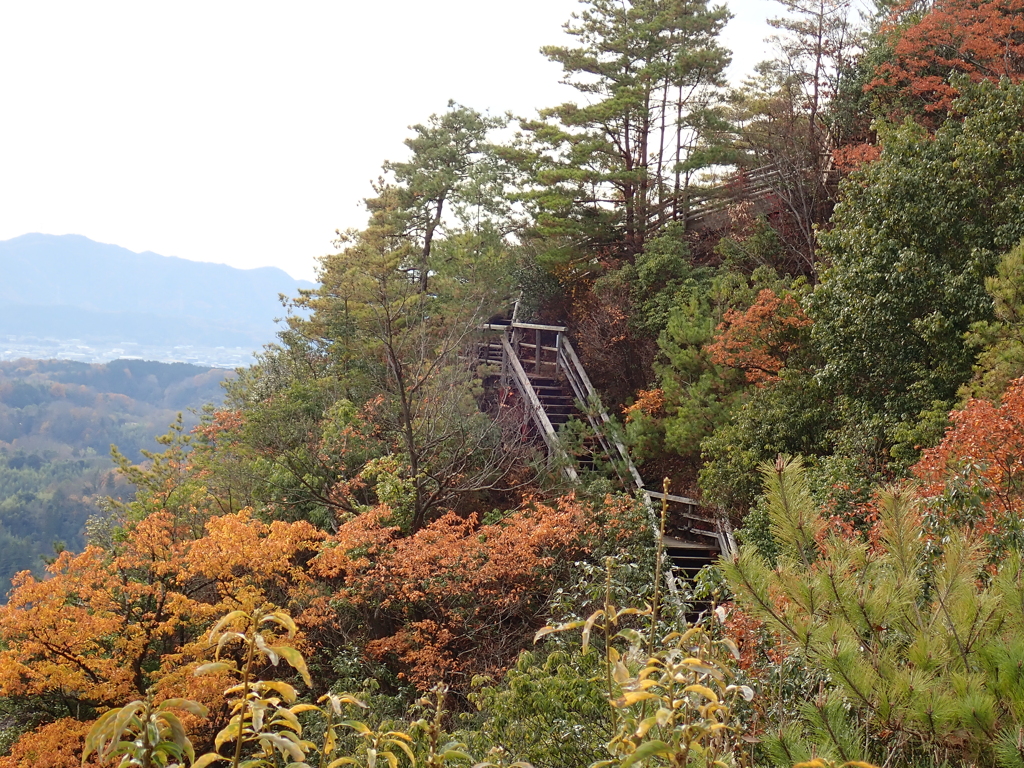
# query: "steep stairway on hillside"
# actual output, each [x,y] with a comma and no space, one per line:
[536,368]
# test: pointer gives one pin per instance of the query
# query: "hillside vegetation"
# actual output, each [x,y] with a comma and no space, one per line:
[58,420]
[801,301]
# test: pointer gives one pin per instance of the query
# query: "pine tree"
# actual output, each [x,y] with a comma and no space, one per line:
[921,641]
[613,167]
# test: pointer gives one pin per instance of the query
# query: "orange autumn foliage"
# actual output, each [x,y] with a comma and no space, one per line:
[983,453]
[456,598]
[760,340]
[104,627]
[852,156]
[222,423]
[648,401]
[57,745]
[983,39]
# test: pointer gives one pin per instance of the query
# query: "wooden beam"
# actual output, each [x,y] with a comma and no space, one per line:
[536,327]
[676,499]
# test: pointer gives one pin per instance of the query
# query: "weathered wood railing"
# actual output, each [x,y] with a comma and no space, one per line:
[513,371]
[564,362]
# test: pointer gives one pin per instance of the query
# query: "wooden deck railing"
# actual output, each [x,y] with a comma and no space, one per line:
[559,360]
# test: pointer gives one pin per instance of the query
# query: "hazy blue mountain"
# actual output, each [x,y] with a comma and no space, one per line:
[70,287]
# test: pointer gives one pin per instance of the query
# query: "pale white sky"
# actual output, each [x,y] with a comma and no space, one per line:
[247,132]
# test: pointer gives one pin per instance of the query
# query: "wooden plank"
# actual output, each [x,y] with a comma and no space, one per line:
[577,387]
[578,366]
[537,354]
[671,541]
[527,388]
[536,327]
[534,346]
[670,497]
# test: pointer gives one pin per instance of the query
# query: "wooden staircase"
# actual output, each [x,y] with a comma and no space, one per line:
[536,366]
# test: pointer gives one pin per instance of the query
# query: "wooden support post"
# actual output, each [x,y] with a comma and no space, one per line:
[504,368]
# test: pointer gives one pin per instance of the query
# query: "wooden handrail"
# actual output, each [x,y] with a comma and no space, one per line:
[578,369]
[539,415]
[568,362]
[584,390]
[536,327]
[524,326]
[676,499]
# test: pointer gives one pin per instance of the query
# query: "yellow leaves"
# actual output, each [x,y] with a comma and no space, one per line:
[677,707]
[620,672]
[142,734]
[214,666]
[189,706]
[228,733]
[703,690]
[101,617]
[632,697]
[57,745]
[283,620]
[744,690]
[239,551]
[288,694]
[544,631]
[229,618]
[207,760]
[71,616]
[702,667]
[294,658]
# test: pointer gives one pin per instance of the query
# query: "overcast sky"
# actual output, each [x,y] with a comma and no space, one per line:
[246,133]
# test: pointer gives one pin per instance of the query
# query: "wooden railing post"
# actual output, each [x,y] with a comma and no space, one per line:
[537,353]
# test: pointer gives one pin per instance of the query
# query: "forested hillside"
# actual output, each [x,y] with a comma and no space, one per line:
[799,306]
[58,420]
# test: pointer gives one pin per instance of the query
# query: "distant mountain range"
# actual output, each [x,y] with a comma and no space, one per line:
[67,287]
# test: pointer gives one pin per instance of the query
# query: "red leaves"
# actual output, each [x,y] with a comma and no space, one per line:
[983,39]
[852,156]
[985,446]
[461,596]
[760,340]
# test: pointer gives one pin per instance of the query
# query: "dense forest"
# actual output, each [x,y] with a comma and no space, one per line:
[801,300]
[58,420]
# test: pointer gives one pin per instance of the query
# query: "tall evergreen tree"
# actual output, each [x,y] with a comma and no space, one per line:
[614,166]
[453,172]
[794,116]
